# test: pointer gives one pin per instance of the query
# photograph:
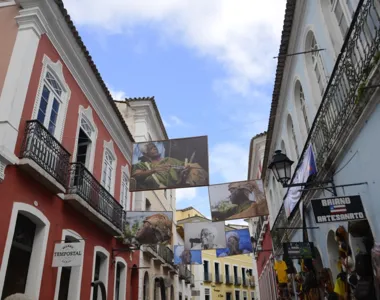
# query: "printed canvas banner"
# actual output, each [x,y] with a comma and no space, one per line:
[176,163]
[303,173]
[338,209]
[204,235]
[298,250]
[68,255]
[148,227]
[237,200]
[187,257]
[238,242]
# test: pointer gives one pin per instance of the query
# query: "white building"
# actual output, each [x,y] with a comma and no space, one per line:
[326,95]
[156,262]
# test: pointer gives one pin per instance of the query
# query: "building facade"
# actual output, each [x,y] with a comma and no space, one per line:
[65,154]
[229,278]
[326,97]
[157,271]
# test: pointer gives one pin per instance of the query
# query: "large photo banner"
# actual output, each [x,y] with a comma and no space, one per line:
[187,257]
[237,200]
[148,227]
[238,242]
[176,163]
[204,236]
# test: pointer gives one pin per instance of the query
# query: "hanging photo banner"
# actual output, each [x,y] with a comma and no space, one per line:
[237,200]
[68,255]
[238,242]
[187,257]
[170,164]
[306,169]
[204,235]
[148,227]
[338,209]
[298,250]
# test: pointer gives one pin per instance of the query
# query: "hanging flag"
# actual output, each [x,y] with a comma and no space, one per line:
[307,168]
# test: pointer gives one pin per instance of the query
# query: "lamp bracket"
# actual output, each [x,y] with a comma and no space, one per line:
[311,183]
[129,248]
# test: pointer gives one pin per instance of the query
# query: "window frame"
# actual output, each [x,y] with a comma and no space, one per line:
[108,148]
[123,278]
[56,70]
[345,10]
[104,252]
[127,198]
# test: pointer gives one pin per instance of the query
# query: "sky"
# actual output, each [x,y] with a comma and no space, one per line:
[208,63]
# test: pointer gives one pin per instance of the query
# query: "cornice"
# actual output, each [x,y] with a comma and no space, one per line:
[32,18]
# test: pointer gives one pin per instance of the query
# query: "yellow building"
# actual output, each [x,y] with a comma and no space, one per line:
[228,278]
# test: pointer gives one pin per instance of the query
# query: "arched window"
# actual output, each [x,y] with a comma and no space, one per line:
[300,105]
[146,286]
[315,62]
[292,136]
[283,148]
[100,270]
[124,188]
[109,167]
[120,279]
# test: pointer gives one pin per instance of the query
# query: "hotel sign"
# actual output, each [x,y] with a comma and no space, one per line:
[338,209]
[68,255]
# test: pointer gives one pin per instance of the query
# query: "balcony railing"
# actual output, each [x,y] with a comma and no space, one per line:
[345,98]
[229,279]
[84,184]
[237,280]
[185,274]
[218,278]
[207,276]
[245,281]
[166,254]
[40,146]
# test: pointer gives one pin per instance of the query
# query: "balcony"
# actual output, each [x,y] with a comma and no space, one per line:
[185,274]
[229,280]
[218,278]
[207,277]
[237,280]
[252,284]
[87,195]
[245,282]
[44,158]
[347,101]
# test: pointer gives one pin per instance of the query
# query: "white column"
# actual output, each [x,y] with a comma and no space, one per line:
[12,98]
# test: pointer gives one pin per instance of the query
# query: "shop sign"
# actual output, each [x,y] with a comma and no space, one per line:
[338,209]
[297,250]
[68,254]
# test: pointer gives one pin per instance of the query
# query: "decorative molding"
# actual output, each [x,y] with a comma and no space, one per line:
[107,258]
[32,18]
[7,3]
[6,158]
[61,37]
[109,146]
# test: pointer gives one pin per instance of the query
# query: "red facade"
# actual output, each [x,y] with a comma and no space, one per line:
[263,257]
[18,186]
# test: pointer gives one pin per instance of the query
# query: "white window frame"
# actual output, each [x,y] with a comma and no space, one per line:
[317,63]
[224,272]
[237,290]
[86,113]
[252,295]
[108,146]
[106,269]
[76,272]
[346,14]
[125,200]
[37,258]
[123,278]
[56,69]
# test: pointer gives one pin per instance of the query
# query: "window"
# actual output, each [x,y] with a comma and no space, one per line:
[146,286]
[228,296]
[52,97]
[120,279]
[252,295]
[109,167]
[300,97]
[124,189]
[207,294]
[236,274]
[100,270]
[237,295]
[338,11]
[243,275]
[206,270]
[292,135]
[24,252]
[227,273]
[245,295]
[217,273]
[148,205]
[69,278]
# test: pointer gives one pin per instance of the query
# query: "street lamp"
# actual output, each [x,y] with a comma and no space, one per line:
[281,167]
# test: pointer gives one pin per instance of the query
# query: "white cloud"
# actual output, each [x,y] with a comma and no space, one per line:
[117,94]
[177,121]
[166,124]
[230,161]
[241,35]
[186,194]
[237,222]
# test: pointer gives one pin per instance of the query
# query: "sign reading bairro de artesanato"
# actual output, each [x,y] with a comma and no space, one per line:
[338,209]
[68,255]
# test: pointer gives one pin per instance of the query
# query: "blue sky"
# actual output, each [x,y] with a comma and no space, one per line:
[209,65]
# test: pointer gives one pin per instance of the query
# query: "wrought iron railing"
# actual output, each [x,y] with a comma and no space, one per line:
[345,97]
[46,151]
[184,273]
[237,280]
[229,279]
[218,278]
[84,184]
[207,276]
[245,281]
[166,254]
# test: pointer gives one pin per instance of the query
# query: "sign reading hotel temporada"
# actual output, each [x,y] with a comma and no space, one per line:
[338,209]
[68,254]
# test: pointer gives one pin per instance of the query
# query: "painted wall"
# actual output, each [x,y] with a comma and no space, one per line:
[20,187]
[70,125]
[8,33]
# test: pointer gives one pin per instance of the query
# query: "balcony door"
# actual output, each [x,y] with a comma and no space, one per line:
[227,272]
[205,269]
[217,272]
[235,274]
